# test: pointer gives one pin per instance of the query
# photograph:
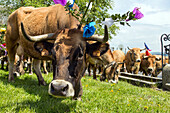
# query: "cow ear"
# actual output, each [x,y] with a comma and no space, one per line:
[44,48]
[96,49]
[158,59]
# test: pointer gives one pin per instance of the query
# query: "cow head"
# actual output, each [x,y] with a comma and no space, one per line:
[150,63]
[135,54]
[68,53]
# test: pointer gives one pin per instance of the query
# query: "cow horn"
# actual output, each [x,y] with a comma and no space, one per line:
[143,49]
[128,48]
[100,38]
[36,38]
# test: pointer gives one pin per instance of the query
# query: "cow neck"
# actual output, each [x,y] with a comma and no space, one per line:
[108,57]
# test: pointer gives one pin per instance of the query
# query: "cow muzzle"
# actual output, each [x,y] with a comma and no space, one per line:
[150,70]
[61,89]
[138,60]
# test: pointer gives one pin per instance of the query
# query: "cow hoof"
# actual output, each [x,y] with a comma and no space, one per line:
[16,74]
[31,73]
[42,83]
[113,81]
[102,78]
[11,79]
[46,73]
[22,72]
[77,98]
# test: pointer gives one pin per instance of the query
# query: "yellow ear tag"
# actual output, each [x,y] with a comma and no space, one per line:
[44,52]
[96,53]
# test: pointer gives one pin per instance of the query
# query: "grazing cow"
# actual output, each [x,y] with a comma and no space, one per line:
[119,57]
[148,64]
[132,60]
[38,21]
[95,61]
[105,62]
[66,47]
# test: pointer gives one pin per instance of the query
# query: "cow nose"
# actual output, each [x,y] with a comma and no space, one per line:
[150,69]
[52,87]
[61,88]
[138,60]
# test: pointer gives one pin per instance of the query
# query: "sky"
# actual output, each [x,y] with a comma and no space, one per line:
[156,21]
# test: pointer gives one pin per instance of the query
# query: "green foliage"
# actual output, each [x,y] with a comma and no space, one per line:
[97,13]
[26,96]
[11,5]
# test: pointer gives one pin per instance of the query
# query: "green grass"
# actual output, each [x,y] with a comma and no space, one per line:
[25,96]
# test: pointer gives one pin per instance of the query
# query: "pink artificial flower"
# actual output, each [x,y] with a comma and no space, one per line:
[138,14]
[62,2]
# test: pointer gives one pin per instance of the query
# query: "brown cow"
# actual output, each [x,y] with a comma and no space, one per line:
[66,47]
[105,61]
[38,21]
[132,60]
[148,64]
[95,60]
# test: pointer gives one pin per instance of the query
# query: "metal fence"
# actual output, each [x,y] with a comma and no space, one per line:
[166,48]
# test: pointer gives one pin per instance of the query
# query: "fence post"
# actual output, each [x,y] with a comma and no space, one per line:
[165,37]
[166,69]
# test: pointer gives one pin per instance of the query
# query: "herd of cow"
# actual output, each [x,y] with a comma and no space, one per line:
[135,61]
[51,34]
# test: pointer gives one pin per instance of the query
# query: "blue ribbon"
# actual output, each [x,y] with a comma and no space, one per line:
[70,6]
[89,29]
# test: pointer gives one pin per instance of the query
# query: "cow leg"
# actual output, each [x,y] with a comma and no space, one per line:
[136,71]
[94,73]
[6,59]
[89,71]
[36,65]
[45,67]
[11,59]
[78,92]
[100,69]
[21,69]
[30,60]
[2,64]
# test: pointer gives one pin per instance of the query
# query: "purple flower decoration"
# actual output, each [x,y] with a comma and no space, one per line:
[138,14]
[2,46]
[62,2]
[89,29]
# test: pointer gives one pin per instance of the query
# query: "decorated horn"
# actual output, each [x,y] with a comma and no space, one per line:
[100,38]
[36,38]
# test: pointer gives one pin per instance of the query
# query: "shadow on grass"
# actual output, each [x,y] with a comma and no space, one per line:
[45,104]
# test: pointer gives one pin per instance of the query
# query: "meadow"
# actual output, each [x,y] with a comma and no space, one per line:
[26,96]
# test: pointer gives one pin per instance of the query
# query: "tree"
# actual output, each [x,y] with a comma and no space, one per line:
[98,13]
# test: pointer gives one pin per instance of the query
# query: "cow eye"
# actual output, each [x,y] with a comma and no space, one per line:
[57,47]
